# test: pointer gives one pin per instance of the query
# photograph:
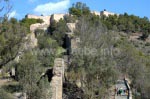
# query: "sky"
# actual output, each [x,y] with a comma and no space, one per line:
[47,7]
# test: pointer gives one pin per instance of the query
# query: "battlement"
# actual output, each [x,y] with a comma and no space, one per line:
[46,19]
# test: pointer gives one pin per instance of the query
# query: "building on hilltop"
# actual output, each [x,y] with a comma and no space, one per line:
[46,19]
[106,13]
[96,13]
[57,17]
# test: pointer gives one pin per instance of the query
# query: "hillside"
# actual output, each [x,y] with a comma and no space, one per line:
[80,55]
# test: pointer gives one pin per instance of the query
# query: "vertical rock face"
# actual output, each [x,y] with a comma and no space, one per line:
[57,80]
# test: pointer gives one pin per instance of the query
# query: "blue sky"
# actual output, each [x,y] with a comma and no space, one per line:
[22,7]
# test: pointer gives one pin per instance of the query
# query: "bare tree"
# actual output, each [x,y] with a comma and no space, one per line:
[5,8]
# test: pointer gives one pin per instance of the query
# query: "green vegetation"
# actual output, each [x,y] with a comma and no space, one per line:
[27,22]
[32,63]
[115,55]
[12,36]
[96,69]
[128,24]
[57,31]
[12,87]
[29,71]
[79,9]
[5,95]
[103,54]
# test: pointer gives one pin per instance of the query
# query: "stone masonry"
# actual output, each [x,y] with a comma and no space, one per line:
[57,79]
[43,26]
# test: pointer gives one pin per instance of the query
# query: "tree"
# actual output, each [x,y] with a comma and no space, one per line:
[144,36]
[27,22]
[127,23]
[94,69]
[44,89]
[29,71]
[45,41]
[5,8]
[134,65]
[13,20]
[58,31]
[79,9]
[12,36]
[5,95]
[46,57]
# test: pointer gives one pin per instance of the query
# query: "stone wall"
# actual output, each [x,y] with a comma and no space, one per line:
[32,40]
[57,79]
[129,89]
[46,19]
[57,17]
[71,26]
[33,27]
[106,13]
[96,13]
